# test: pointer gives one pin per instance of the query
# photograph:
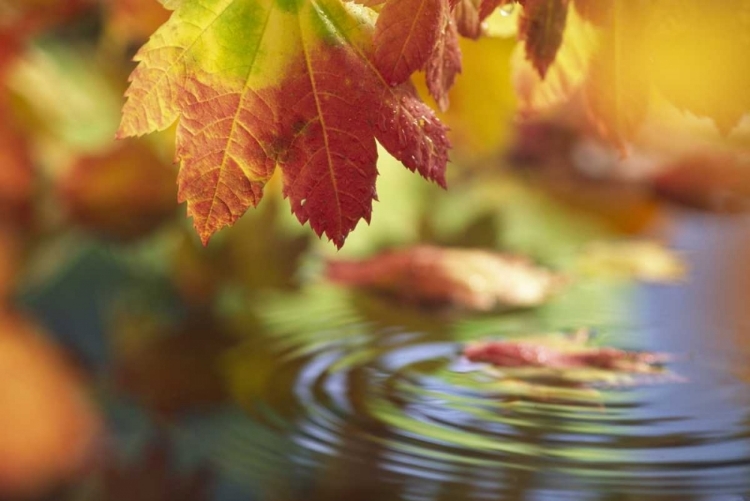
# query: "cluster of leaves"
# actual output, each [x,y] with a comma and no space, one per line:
[309,86]
[621,57]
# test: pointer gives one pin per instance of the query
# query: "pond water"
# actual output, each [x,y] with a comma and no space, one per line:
[341,395]
[380,410]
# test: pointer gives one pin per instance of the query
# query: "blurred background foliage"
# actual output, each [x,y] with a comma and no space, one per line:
[118,330]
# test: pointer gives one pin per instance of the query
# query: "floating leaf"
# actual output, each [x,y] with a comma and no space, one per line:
[565,358]
[640,260]
[473,279]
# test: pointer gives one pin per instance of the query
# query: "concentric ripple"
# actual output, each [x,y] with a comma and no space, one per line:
[368,407]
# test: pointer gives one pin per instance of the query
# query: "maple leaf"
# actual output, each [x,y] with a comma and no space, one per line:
[697,57]
[617,88]
[564,77]
[405,35]
[261,83]
[444,64]
[466,14]
[541,26]
[472,279]
[595,11]
[470,14]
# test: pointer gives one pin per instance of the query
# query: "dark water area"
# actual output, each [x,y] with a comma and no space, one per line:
[332,394]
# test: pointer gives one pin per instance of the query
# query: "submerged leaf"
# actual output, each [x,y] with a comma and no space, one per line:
[472,279]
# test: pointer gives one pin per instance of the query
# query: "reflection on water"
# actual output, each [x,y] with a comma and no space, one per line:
[357,407]
[343,395]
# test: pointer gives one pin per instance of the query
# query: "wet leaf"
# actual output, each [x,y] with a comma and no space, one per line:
[276,96]
[405,35]
[121,194]
[444,64]
[561,357]
[472,279]
[466,15]
[48,429]
[640,260]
